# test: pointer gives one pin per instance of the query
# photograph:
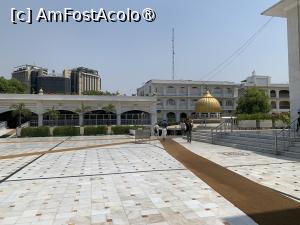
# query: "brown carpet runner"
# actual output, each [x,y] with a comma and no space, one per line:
[264,205]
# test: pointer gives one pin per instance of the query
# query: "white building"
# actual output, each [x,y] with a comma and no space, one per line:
[176,99]
[128,110]
[290,9]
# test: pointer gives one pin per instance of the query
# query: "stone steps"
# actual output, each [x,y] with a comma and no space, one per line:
[247,142]
[245,146]
[252,141]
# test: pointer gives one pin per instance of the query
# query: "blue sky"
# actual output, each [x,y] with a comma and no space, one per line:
[127,55]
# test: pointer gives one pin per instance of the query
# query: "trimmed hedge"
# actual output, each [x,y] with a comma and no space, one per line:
[66,131]
[120,129]
[35,132]
[261,116]
[89,130]
[123,129]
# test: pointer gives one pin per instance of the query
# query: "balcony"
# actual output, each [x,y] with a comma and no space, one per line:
[228,107]
[171,107]
[183,106]
[170,94]
[228,95]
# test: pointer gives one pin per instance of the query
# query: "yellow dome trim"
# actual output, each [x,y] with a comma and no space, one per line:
[208,104]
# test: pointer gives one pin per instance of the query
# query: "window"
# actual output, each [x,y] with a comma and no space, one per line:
[273,94]
[229,103]
[171,102]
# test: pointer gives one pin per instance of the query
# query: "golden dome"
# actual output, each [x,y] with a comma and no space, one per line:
[208,104]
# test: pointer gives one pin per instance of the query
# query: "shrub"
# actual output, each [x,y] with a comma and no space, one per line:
[261,116]
[284,117]
[120,129]
[66,131]
[35,132]
[257,116]
[95,130]
[124,129]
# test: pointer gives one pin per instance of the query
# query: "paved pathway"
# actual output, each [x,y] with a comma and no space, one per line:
[264,205]
[277,172]
[119,184]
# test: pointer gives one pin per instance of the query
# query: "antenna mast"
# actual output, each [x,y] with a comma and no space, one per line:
[173,54]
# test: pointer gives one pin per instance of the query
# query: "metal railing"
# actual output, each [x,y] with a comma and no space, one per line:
[99,121]
[74,122]
[286,137]
[224,127]
[135,121]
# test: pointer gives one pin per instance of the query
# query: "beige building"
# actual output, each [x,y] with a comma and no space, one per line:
[176,99]
[84,79]
[27,74]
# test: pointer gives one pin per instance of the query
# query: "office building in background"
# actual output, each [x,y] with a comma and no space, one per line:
[72,81]
[84,79]
[27,74]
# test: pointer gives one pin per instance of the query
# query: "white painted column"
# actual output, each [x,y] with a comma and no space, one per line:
[80,119]
[118,112]
[188,90]
[40,119]
[164,90]
[177,116]
[153,117]
[277,93]
[118,119]
[277,106]
[294,60]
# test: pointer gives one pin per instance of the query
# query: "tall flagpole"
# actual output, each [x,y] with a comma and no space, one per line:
[173,54]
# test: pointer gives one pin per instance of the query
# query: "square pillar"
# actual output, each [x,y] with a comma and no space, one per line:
[118,118]
[80,119]
[40,120]
[294,60]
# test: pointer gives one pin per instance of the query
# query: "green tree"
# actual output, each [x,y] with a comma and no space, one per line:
[103,93]
[52,113]
[20,110]
[81,110]
[254,100]
[11,86]
[109,108]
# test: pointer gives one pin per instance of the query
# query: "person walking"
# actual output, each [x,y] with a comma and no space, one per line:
[182,128]
[156,130]
[298,123]
[188,130]
[164,130]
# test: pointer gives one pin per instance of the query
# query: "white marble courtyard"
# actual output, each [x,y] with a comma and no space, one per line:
[123,184]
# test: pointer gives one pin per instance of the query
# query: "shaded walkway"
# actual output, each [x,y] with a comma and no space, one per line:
[262,204]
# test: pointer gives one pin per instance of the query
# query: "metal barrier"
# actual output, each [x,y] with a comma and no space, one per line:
[100,122]
[136,121]
[286,137]
[73,122]
[223,128]
[142,135]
